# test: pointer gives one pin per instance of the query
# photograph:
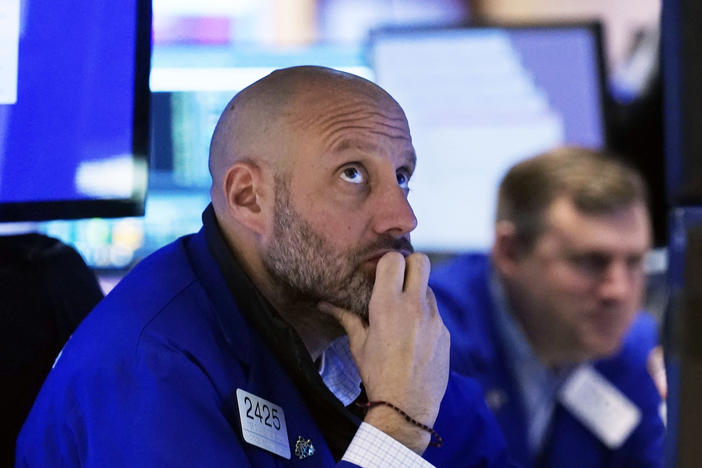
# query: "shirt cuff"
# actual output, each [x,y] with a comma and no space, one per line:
[371,448]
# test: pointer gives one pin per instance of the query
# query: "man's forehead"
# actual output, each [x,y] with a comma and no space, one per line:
[348,120]
[326,105]
[626,226]
[406,150]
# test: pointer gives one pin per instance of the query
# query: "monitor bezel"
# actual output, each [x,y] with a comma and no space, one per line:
[107,207]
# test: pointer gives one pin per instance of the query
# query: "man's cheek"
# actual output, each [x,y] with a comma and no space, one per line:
[368,270]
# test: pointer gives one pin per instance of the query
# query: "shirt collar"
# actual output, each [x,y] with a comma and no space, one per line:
[538,385]
[339,372]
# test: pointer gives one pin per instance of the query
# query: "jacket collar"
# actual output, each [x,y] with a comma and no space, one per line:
[221,273]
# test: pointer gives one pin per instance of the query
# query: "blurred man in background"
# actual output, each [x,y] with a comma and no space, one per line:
[549,323]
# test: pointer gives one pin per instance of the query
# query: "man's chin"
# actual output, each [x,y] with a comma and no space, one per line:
[356,309]
[601,347]
[605,334]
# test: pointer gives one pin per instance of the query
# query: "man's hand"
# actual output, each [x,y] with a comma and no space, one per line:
[403,353]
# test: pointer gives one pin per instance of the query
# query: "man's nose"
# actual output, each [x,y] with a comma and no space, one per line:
[393,213]
[619,282]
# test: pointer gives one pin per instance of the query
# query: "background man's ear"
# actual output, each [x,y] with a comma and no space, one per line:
[245,192]
[505,249]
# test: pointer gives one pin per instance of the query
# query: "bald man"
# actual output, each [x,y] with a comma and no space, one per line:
[296,328]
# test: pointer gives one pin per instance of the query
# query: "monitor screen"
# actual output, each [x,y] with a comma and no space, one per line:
[73,108]
[479,99]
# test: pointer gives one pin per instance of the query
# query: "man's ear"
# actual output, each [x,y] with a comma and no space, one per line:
[245,193]
[505,249]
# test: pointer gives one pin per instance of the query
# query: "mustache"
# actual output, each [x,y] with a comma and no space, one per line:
[386,243]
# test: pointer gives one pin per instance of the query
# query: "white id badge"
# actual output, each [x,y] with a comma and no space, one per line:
[263,423]
[600,406]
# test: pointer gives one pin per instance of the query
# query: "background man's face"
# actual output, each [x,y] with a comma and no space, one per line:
[583,280]
[343,203]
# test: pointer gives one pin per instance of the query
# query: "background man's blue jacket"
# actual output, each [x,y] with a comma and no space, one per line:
[462,290]
[149,378]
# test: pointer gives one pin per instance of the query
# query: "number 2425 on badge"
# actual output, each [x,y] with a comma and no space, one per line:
[263,423]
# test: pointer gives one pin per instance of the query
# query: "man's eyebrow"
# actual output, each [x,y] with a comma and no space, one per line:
[412,157]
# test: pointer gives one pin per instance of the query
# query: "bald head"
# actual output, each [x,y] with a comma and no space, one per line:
[310,168]
[262,120]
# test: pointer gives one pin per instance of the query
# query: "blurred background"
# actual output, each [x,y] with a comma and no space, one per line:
[204,52]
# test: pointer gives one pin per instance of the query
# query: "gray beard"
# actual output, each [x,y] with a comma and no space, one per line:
[307,269]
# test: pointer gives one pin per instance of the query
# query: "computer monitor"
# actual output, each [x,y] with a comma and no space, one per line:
[478,99]
[73,108]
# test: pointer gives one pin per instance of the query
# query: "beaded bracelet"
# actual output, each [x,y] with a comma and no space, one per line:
[436,438]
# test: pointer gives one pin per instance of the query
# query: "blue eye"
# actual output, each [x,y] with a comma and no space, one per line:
[403,179]
[353,175]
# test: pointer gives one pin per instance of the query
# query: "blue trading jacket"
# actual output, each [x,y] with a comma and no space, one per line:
[149,378]
[466,306]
